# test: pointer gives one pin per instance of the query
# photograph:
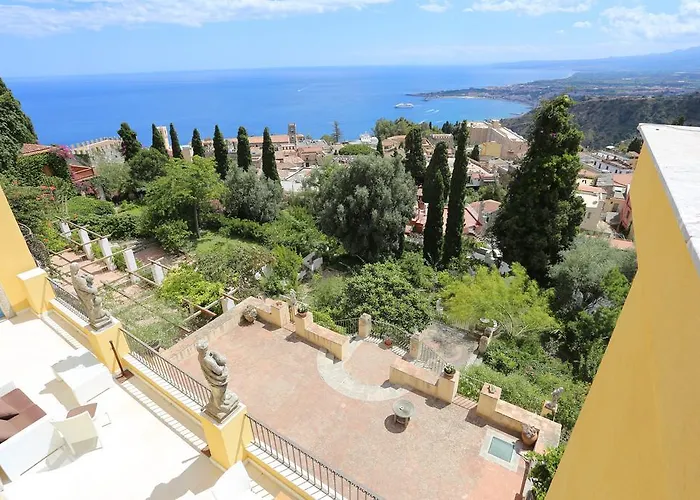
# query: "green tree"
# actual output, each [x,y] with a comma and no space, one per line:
[515,302]
[337,134]
[679,121]
[269,165]
[182,193]
[252,197]
[130,144]
[367,205]
[356,149]
[328,138]
[541,213]
[146,165]
[415,159]
[197,146]
[474,155]
[455,209]
[493,191]
[157,140]
[220,153]
[380,146]
[383,291]
[15,128]
[635,145]
[389,128]
[438,167]
[544,466]
[177,150]
[113,177]
[245,159]
[432,234]
[447,127]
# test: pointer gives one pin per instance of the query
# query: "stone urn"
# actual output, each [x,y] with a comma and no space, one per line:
[529,434]
[250,314]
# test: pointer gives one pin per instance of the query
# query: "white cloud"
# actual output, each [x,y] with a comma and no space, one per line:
[44,17]
[582,24]
[560,32]
[435,6]
[532,7]
[637,22]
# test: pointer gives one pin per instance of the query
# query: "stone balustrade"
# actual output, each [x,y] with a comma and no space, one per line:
[335,343]
[405,373]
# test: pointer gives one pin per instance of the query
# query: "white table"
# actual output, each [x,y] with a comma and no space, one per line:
[84,374]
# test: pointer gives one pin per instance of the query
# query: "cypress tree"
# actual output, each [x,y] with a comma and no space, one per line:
[415,160]
[220,152]
[380,146]
[245,159]
[197,146]
[157,141]
[130,144]
[455,208]
[541,213]
[432,235]
[635,145]
[269,167]
[474,155]
[177,150]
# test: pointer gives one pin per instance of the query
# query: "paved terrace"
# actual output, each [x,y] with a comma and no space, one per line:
[150,450]
[342,414]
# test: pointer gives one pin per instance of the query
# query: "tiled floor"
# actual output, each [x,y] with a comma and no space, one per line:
[436,457]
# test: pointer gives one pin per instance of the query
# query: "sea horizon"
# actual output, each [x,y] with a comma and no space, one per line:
[69,109]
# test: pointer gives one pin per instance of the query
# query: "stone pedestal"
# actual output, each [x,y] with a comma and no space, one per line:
[130,262]
[65,230]
[488,399]
[158,274]
[87,246]
[364,326]
[106,248]
[38,289]
[483,344]
[548,411]
[414,347]
[227,304]
[447,387]
[227,440]
[301,323]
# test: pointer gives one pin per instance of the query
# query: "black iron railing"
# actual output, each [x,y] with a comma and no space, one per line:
[347,326]
[430,359]
[398,335]
[194,390]
[326,479]
[69,300]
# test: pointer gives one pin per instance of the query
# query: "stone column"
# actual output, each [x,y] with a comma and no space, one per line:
[227,304]
[158,274]
[38,290]
[414,348]
[364,326]
[87,246]
[106,248]
[227,440]
[65,230]
[488,399]
[130,261]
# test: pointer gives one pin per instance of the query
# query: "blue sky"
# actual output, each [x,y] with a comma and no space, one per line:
[64,37]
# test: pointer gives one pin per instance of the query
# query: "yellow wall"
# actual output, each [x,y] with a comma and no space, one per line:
[490,149]
[637,435]
[14,257]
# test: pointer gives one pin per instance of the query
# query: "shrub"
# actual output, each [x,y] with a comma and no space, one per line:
[327,293]
[246,229]
[252,197]
[187,283]
[173,236]
[81,206]
[544,466]
[324,319]
[285,270]
[296,229]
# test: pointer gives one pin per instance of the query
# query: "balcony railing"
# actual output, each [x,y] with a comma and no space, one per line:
[191,388]
[70,301]
[326,479]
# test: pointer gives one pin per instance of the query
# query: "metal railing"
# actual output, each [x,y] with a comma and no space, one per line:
[430,359]
[194,390]
[329,481]
[69,300]
[348,326]
[398,335]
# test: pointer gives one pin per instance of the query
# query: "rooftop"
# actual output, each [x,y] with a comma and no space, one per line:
[676,151]
[342,413]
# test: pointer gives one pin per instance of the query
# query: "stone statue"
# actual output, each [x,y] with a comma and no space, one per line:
[556,394]
[222,401]
[87,293]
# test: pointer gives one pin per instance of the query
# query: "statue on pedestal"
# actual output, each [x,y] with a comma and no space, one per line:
[222,401]
[556,394]
[87,293]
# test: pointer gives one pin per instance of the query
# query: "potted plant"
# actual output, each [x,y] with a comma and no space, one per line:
[529,434]
[449,370]
[388,342]
[250,314]
[302,309]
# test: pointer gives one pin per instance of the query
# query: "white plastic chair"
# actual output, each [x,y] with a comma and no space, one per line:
[78,430]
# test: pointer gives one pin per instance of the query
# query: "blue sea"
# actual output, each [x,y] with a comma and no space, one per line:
[68,110]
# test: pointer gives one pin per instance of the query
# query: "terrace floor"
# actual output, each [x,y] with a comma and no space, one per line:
[149,449]
[342,414]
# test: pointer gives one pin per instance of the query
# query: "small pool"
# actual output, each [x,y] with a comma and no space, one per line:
[501,449]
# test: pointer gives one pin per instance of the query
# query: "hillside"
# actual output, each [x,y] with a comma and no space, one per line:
[607,121]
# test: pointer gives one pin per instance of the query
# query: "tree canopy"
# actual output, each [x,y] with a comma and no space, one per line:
[380,146]
[415,159]
[635,145]
[541,213]
[146,165]
[157,140]
[337,133]
[269,165]
[367,205]
[455,209]
[177,150]
[475,154]
[130,144]
[356,149]
[438,167]
[15,128]
[220,152]
[252,197]
[432,233]
[245,159]
[197,146]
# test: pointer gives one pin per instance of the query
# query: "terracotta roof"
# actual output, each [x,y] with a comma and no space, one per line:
[587,174]
[584,188]
[490,206]
[276,139]
[622,179]
[35,149]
